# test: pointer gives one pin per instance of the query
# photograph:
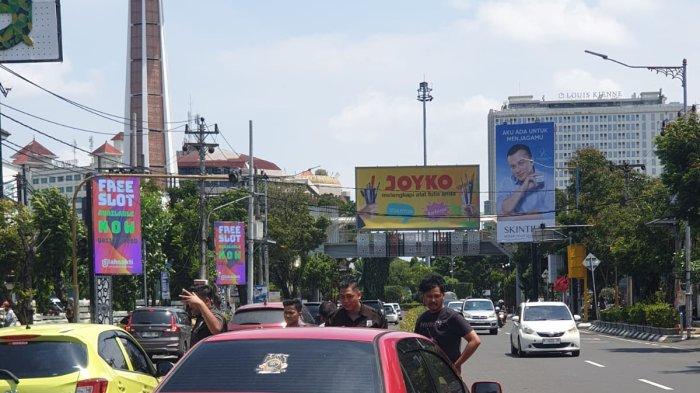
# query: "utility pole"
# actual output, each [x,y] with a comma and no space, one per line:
[202,147]
[4,92]
[251,218]
[266,235]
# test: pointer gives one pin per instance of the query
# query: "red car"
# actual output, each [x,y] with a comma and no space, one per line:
[263,315]
[311,360]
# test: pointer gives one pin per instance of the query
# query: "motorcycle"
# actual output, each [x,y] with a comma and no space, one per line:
[501,314]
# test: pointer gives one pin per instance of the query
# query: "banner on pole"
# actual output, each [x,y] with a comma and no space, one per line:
[229,248]
[116,225]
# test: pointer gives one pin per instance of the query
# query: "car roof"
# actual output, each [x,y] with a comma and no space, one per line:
[261,306]
[537,304]
[479,298]
[157,308]
[309,333]
[455,301]
[81,331]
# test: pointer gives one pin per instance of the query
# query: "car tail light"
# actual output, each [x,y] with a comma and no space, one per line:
[173,325]
[91,386]
[128,326]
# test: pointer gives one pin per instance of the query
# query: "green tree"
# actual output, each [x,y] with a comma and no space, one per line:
[296,232]
[677,148]
[320,274]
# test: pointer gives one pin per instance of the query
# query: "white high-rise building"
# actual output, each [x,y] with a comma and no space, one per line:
[623,129]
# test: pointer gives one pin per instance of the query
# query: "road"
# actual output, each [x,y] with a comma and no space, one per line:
[606,364]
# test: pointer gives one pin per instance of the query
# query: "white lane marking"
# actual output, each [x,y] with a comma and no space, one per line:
[508,334]
[595,364]
[658,385]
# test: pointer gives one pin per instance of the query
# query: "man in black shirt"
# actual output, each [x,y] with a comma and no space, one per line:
[445,326]
[353,313]
[200,303]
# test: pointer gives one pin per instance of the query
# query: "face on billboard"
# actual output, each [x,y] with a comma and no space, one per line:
[525,195]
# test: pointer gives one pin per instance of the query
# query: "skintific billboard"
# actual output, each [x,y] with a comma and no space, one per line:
[31,32]
[525,196]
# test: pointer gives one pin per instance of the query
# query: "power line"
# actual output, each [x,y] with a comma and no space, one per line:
[62,142]
[36,157]
[86,108]
[74,127]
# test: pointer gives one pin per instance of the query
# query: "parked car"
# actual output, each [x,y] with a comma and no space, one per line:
[390,314]
[449,297]
[161,330]
[397,308]
[544,327]
[70,358]
[456,305]
[313,310]
[264,315]
[481,314]
[285,360]
[375,304]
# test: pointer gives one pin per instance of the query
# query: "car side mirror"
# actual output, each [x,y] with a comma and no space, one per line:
[486,387]
[163,368]
[516,318]
[577,318]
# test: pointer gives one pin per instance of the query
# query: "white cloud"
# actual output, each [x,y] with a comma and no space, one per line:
[580,80]
[552,21]
[56,77]
[462,5]
[625,6]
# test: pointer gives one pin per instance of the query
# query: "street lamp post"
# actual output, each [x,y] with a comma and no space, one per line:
[680,73]
[424,96]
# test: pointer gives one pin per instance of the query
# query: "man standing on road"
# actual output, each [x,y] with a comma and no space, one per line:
[10,317]
[445,326]
[292,313]
[199,302]
[352,312]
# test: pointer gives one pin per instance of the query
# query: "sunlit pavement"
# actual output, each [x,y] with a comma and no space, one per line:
[606,364]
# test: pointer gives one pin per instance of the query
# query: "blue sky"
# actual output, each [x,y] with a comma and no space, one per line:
[333,83]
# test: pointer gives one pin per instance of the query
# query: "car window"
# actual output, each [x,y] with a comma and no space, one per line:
[251,317]
[111,352]
[42,359]
[478,305]
[546,313]
[444,377]
[277,366]
[138,359]
[416,374]
[151,317]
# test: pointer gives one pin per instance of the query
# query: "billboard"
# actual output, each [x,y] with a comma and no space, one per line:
[229,249]
[116,225]
[525,196]
[429,197]
[33,33]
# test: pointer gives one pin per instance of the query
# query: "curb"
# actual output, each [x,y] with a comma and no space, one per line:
[643,333]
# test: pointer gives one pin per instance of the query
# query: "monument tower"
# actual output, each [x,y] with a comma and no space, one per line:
[147,141]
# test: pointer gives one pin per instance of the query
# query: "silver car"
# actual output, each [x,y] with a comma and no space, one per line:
[481,314]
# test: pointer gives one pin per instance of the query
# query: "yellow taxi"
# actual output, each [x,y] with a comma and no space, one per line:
[75,358]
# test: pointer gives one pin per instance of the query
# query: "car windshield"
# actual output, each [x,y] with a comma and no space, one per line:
[150,317]
[259,316]
[546,313]
[455,305]
[372,303]
[478,305]
[277,366]
[42,359]
[389,310]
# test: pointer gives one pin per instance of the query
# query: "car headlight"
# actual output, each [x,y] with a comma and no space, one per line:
[467,315]
[573,330]
[527,330]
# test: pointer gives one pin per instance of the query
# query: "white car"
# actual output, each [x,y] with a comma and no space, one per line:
[544,327]
[480,314]
[390,314]
[397,308]
[456,305]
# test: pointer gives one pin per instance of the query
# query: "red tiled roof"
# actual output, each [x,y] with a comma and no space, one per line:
[119,137]
[33,149]
[107,149]
[224,159]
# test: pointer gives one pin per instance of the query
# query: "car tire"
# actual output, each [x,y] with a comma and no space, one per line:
[513,351]
[520,352]
[493,331]
[575,353]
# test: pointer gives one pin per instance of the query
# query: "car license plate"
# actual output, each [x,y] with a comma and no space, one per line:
[551,341]
[149,334]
